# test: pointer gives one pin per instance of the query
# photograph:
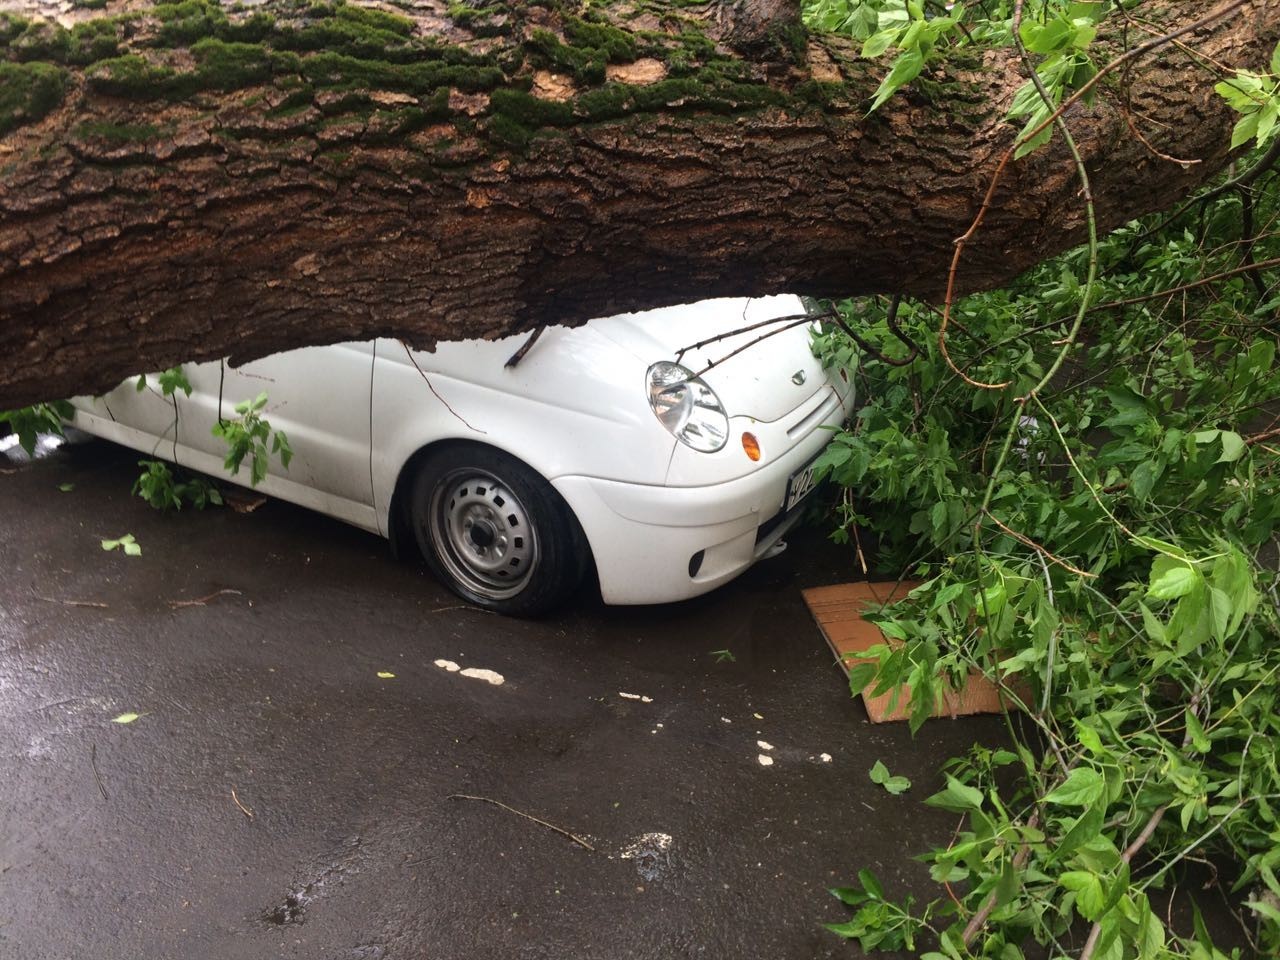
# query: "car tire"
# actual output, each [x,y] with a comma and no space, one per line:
[496,532]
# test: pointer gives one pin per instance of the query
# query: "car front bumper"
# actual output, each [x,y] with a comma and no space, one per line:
[657,544]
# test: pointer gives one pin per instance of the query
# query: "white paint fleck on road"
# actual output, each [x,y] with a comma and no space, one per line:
[825,757]
[491,676]
[725,720]
[646,843]
[765,760]
[635,696]
[764,746]
[473,673]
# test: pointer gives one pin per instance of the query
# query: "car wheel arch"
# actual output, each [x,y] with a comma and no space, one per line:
[399,522]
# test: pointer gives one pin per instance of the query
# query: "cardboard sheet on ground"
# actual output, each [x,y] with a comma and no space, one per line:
[838,611]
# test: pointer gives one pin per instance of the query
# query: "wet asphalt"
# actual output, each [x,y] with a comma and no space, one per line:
[346,836]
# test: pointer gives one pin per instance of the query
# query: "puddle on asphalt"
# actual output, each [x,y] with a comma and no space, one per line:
[293,909]
[652,855]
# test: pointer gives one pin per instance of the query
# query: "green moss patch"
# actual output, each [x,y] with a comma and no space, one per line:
[492,20]
[12,26]
[350,30]
[338,70]
[133,76]
[516,116]
[28,41]
[118,132]
[28,92]
[590,47]
[230,66]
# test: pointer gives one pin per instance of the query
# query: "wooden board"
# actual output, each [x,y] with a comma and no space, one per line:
[838,611]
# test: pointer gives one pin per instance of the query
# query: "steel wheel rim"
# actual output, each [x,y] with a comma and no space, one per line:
[483,534]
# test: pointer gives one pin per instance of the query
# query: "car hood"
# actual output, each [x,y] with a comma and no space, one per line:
[765,381]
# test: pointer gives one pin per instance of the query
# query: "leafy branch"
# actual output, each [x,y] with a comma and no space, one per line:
[247,435]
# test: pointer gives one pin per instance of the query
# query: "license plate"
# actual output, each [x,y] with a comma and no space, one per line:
[800,484]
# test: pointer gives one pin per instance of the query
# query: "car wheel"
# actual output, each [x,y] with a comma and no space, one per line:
[496,532]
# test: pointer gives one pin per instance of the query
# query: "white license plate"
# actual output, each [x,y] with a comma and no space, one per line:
[800,484]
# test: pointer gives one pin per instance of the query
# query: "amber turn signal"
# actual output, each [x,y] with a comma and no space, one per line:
[751,445]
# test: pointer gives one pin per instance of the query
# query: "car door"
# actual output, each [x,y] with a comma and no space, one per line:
[319,397]
[136,413]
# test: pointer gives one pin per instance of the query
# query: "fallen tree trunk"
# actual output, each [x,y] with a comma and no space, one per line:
[186,182]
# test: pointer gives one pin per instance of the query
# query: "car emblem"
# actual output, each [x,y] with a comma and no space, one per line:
[798,378]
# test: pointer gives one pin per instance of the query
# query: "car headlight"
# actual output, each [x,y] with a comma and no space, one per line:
[687,407]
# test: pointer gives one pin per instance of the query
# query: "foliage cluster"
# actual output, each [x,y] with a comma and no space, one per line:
[1089,469]
[1056,36]
[248,435]
[1112,567]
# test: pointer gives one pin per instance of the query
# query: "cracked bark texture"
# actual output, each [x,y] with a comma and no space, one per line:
[214,185]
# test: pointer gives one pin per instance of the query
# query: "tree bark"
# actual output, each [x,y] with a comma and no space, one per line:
[205,183]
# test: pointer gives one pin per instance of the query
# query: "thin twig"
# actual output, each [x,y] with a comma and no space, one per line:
[243,809]
[431,387]
[1138,135]
[747,328]
[93,762]
[747,346]
[1028,542]
[1173,291]
[1052,119]
[979,919]
[891,318]
[1265,163]
[201,601]
[525,347]
[73,603]
[550,826]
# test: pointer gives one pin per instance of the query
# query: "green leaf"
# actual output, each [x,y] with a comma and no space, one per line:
[1172,578]
[879,42]
[870,884]
[1221,611]
[1262,908]
[126,543]
[892,784]
[66,487]
[1244,91]
[386,675]
[1246,129]
[905,69]
[1082,787]
[1088,890]
[1151,932]
[1088,737]
[1233,445]
[126,718]
[1266,122]
[1144,478]
[1154,628]
[860,676]
[957,796]
[1086,827]
[1195,732]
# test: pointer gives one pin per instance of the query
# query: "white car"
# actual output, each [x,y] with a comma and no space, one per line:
[600,447]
